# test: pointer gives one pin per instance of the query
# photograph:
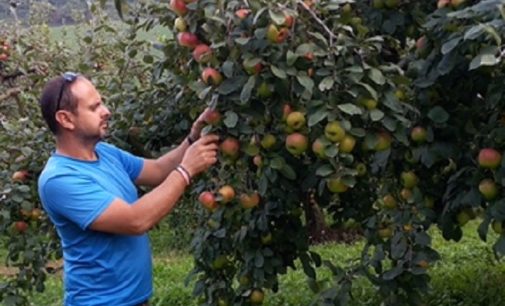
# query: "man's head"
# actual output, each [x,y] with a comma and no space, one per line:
[71,103]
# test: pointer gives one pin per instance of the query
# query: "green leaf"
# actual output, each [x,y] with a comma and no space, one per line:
[231,119]
[483,60]
[371,90]
[291,58]
[281,74]
[231,85]
[288,172]
[450,45]
[306,82]
[242,40]
[438,114]
[277,17]
[350,109]
[499,246]
[277,163]
[245,95]
[326,83]
[317,116]
[376,75]
[376,115]
[119,8]
[325,170]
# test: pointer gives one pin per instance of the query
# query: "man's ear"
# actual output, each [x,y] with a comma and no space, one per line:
[65,119]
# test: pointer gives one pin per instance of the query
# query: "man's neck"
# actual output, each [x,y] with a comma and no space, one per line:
[76,148]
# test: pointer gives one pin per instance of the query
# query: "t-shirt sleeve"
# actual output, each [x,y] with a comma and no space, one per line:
[77,198]
[132,164]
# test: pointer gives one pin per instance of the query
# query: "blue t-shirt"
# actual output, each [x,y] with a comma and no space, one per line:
[99,268]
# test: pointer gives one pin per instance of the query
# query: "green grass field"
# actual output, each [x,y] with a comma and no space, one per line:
[467,274]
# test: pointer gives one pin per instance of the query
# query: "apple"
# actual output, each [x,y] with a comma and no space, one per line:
[21,226]
[309,56]
[202,53]
[268,141]
[406,194]
[463,217]
[418,134]
[361,168]
[4,57]
[488,189]
[36,214]
[244,280]
[258,161]
[230,147]
[421,43]
[275,35]
[296,143]
[242,13]
[429,202]
[497,226]
[392,3]
[389,201]
[346,145]
[319,148]
[188,40]
[424,264]
[252,69]
[288,20]
[219,262]
[383,141]
[296,120]
[264,90]
[334,131]
[286,110]
[208,200]
[385,232]
[400,95]
[409,179]
[179,7]
[257,296]
[227,193]
[378,4]
[249,200]
[20,176]
[443,3]
[266,239]
[369,103]
[457,3]
[213,117]
[336,185]
[211,76]
[489,158]
[180,24]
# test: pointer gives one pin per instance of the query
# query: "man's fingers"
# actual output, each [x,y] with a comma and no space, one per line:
[209,138]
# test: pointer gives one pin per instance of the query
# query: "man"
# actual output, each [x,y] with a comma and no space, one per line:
[88,190]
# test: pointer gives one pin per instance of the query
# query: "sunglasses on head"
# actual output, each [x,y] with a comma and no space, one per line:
[68,78]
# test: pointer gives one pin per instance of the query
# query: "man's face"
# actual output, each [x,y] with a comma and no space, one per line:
[92,116]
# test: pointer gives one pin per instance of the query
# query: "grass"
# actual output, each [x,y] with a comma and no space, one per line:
[467,274]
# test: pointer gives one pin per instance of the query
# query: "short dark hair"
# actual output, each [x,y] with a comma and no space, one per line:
[49,101]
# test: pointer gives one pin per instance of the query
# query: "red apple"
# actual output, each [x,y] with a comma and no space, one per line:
[489,158]
[288,20]
[187,39]
[296,143]
[418,134]
[252,69]
[20,176]
[242,13]
[488,189]
[319,148]
[383,141]
[179,7]
[202,53]
[211,76]
[21,226]
[227,193]
[249,200]
[286,110]
[213,117]
[258,161]
[230,147]
[208,200]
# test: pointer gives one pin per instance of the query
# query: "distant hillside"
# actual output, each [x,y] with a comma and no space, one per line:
[57,12]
